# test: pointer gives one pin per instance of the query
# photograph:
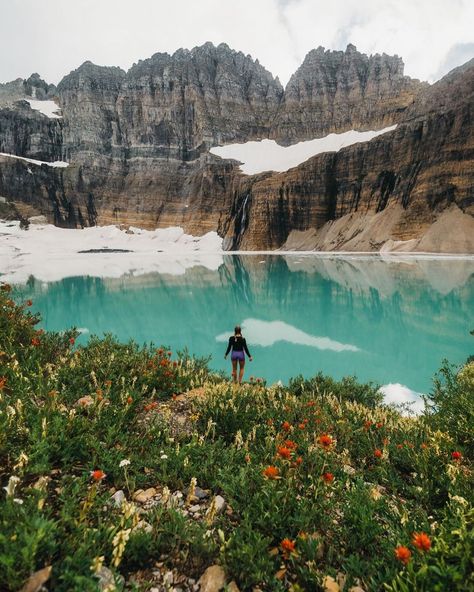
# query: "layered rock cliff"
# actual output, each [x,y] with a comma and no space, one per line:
[137,143]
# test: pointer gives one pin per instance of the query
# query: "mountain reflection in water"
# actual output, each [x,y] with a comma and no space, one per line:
[391,321]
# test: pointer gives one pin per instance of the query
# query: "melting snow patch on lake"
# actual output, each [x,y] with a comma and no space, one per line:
[48,108]
[50,253]
[398,394]
[267,333]
[55,164]
[267,155]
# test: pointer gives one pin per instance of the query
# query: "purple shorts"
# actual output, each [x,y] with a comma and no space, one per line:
[238,355]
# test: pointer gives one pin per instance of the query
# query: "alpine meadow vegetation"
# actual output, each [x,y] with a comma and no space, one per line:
[118,461]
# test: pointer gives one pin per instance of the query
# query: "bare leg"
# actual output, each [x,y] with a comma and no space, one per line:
[241,370]
[234,370]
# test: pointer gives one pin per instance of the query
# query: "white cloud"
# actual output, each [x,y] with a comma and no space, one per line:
[53,37]
[267,333]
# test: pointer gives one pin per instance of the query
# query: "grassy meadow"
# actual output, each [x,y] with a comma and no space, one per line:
[313,486]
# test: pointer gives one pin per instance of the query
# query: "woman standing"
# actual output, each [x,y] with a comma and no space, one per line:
[238,345]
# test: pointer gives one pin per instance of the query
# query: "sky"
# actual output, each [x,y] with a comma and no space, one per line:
[53,37]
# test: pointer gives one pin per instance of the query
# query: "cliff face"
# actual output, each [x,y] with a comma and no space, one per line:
[137,143]
[334,91]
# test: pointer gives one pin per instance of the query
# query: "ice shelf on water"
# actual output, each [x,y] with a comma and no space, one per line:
[50,253]
[267,155]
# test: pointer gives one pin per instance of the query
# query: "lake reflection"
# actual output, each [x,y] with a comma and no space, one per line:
[388,321]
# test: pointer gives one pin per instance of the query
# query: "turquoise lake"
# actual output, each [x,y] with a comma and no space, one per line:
[387,321]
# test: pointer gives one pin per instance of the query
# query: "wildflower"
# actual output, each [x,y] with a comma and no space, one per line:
[456,455]
[164,456]
[98,475]
[259,380]
[284,452]
[271,472]
[403,554]
[399,446]
[72,341]
[302,425]
[327,478]
[124,463]
[421,541]
[378,453]
[3,382]
[29,303]
[367,425]
[108,383]
[169,354]
[326,441]
[247,458]
[298,461]
[35,341]
[288,546]
[129,400]
[251,379]
[291,445]
[379,424]
[424,445]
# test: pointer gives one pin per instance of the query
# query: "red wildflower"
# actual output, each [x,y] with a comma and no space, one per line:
[35,341]
[29,303]
[271,472]
[379,424]
[288,546]
[129,400]
[169,354]
[291,445]
[160,351]
[327,478]
[98,475]
[247,458]
[421,541]
[3,382]
[367,425]
[399,446]
[310,403]
[284,452]
[72,341]
[424,445]
[298,461]
[378,453]
[326,441]
[286,426]
[403,554]
[456,455]
[108,383]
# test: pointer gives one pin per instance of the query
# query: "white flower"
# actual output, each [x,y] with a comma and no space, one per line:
[124,463]
[17,500]
[164,456]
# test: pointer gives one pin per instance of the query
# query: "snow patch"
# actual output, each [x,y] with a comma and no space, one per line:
[267,333]
[398,394]
[50,253]
[267,155]
[55,164]
[48,108]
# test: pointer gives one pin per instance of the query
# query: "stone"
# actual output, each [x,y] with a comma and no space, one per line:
[143,525]
[37,579]
[141,496]
[213,579]
[219,503]
[118,498]
[200,493]
[194,509]
[107,579]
